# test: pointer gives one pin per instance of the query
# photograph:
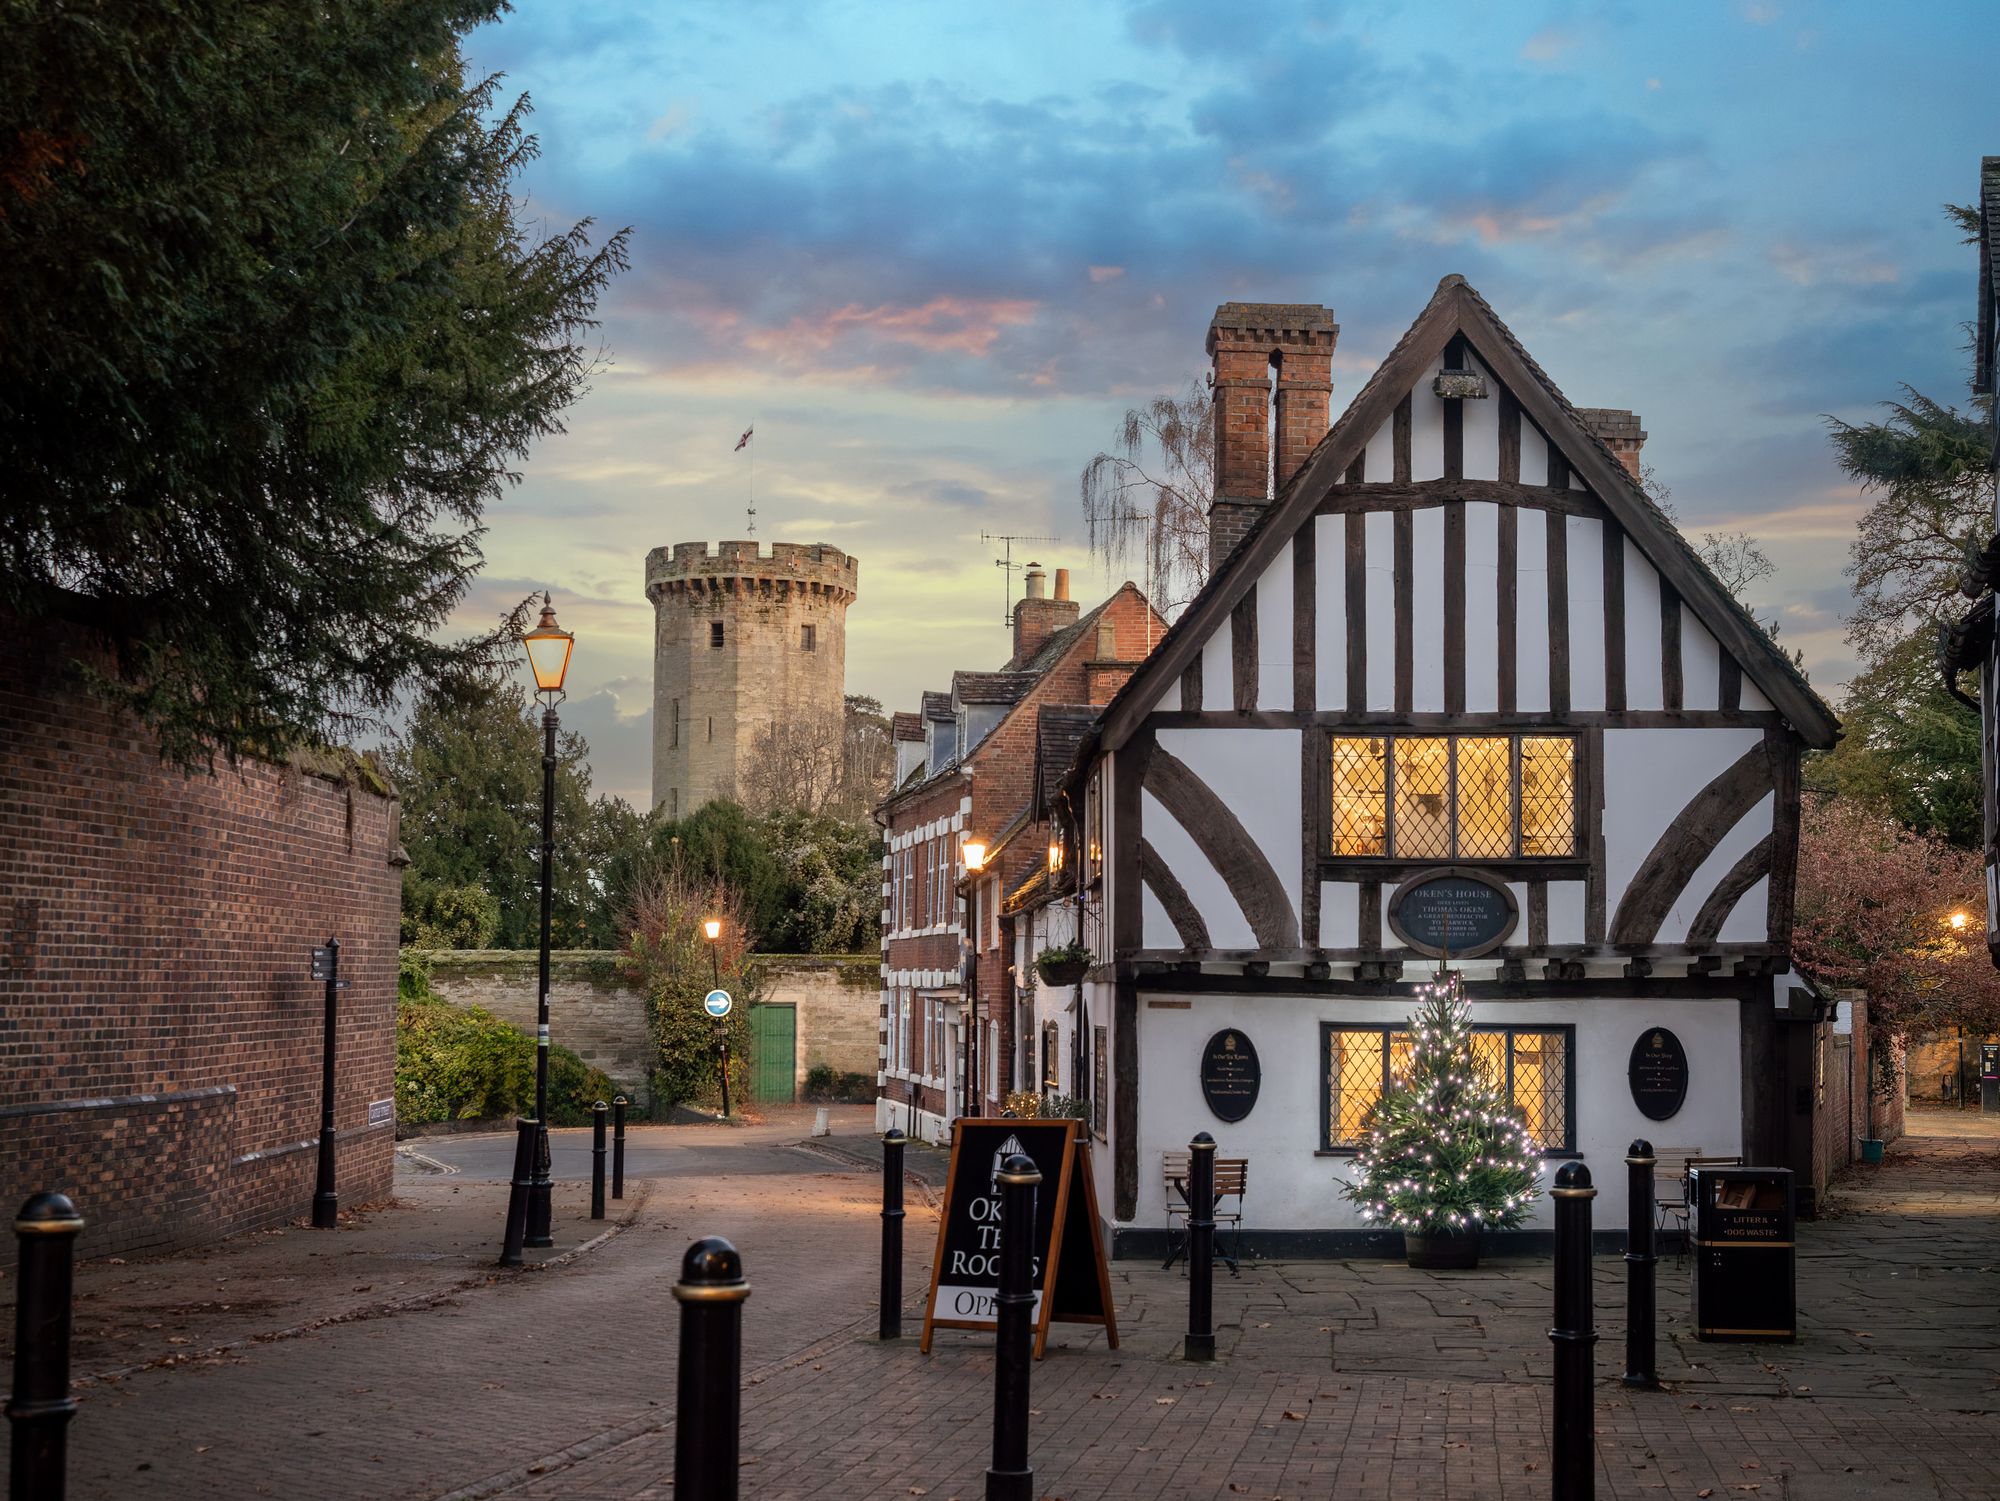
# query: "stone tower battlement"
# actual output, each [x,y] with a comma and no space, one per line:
[749,649]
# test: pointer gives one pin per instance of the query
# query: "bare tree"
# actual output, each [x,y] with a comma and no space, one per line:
[1737,559]
[1150,495]
[796,763]
[867,757]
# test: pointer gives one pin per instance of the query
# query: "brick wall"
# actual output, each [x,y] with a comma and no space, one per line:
[600,1015]
[159,1033]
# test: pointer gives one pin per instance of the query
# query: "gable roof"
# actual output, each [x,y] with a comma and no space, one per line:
[1059,730]
[1989,272]
[1456,309]
[991,687]
[936,704]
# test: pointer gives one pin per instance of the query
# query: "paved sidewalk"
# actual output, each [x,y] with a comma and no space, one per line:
[1369,1380]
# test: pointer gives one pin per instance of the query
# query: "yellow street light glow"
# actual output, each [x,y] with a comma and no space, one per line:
[713,928]
[975,854]
[548,647]
[1960,919]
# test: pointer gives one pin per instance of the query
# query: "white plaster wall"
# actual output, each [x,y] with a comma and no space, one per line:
[1753,696]
[1649,776]
[1218,689]
[1534,454]
[1274,634]
[1378,459]
[1426,427]
[1482,604]
[1531,605]
[1339,915]
[1566,908]
[1427,609]
[1227,926]
[1293,1188]
[1644,664]
[1156,929]
[1586,610]
[1330,583]
[1379,544]
[1256,772]
[1701,664]
[1480,429]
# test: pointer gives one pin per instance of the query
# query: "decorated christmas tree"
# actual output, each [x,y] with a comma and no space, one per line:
[1445,1153]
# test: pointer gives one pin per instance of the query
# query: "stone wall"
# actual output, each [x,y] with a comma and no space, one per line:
[159,1032]
[594,1010]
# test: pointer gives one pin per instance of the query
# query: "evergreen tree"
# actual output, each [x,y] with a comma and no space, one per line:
[1445,1152]
[276,329]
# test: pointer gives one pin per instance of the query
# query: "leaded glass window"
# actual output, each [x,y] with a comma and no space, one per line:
[1531,1064]
[1451,797]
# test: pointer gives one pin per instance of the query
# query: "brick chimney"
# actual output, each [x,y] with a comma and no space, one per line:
[1620,432]
[1037,618]
[1246,342]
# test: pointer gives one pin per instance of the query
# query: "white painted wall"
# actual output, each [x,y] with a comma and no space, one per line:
[1482,605]
[1379,540]
[1330,612]
[1274,634]
[1228,928]
[1701,664]
[1586,610]
[1480,427]
[1293,1188]
[1426,427]
[1531,605]
[1649,776]
[1256,772]
[1218,690]
[1427,609]
[1643,658]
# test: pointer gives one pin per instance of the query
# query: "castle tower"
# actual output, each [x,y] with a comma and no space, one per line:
[743,641]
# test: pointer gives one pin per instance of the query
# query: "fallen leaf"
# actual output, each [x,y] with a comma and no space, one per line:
[1707,1490]
[1296,1417]
[1165,1401]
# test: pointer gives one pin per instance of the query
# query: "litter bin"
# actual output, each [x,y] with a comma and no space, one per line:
[1989,1078]
[1745,1261]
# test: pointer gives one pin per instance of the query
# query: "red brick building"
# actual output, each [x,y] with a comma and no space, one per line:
[159,1032]
[965,771]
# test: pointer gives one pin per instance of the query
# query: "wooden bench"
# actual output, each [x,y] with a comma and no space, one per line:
[1232,1176]
[1670,1176]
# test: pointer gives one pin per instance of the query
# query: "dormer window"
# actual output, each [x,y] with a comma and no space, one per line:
[1459,798]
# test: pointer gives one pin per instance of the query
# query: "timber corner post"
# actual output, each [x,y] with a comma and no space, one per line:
[709,1396]
[41,1405]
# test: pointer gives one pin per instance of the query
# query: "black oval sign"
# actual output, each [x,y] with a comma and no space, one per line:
[1230,1074]
[1658,1073]
[1452,912]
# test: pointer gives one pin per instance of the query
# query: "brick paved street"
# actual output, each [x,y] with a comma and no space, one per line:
[1349,1379]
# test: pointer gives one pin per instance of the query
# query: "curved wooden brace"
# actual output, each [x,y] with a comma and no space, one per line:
[1173,896]
[1229,848]
[1739,878]
[1690,839]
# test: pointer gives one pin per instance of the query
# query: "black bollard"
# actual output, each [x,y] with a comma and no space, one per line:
[1640,1369]
[618,1147]
[518,1191]
[326,1202]
[1573,1472]
[598,1114]
[1200,1343]
[709,1410]
[892,1234]
[1010,1477]
[41,1406]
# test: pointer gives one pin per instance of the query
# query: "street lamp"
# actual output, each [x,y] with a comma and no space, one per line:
[974,854]
[1959,919]
[548,646]
[712,927]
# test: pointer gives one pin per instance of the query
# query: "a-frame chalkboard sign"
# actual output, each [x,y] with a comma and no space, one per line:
[1072,1282]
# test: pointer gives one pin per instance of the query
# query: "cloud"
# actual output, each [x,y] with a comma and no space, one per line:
[1548,44]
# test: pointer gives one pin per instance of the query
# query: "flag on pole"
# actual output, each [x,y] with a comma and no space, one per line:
[744,441]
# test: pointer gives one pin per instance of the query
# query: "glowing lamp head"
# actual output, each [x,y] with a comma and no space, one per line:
[1960,918]
[713,928]
[1055,854]
[975,855]
[548,647]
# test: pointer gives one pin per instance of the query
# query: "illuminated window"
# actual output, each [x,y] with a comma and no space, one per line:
[1451,797]
[1532,1064]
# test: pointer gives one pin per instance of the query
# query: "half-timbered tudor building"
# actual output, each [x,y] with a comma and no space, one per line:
[965,766]
[1973,645]
[1448,636]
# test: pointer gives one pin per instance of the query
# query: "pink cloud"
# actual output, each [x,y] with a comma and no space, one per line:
[960,325]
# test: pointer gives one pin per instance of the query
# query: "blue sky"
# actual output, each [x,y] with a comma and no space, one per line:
[934,251]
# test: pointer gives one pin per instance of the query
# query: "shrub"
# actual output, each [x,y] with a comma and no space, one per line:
[465,1063]
[825,1086]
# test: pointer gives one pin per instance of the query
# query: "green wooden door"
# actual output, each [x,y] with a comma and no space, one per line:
[773,1054]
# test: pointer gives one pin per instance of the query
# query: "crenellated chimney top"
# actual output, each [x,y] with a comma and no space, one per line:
[1249,342]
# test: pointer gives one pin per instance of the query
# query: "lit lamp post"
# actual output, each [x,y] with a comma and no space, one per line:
[974,852]
[713,928]
[548,658]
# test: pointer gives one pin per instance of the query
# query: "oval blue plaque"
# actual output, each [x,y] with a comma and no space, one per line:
[1452,911]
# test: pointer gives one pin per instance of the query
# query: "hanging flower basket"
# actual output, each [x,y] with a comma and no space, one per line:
[1063,966]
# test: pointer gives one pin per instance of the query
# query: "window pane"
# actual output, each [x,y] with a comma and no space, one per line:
[1485,798]
[1402,1052]
[1489,1056]
[1541,1087]
[1423,798]
[1548,795]
[1360,785]
[1354,1083]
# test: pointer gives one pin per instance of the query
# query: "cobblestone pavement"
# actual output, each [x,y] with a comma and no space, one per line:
[1360,1379]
